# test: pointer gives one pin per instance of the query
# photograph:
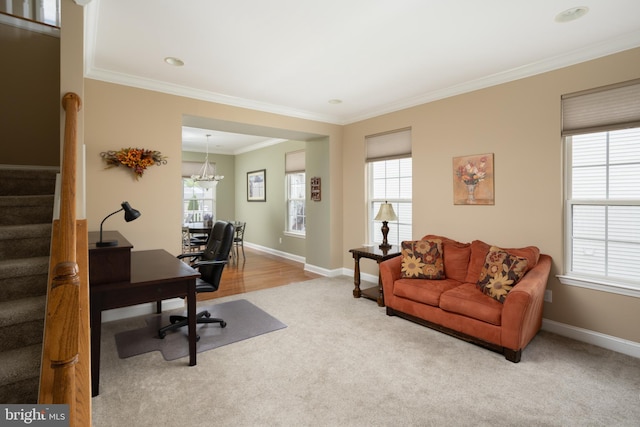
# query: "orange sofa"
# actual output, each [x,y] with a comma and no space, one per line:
[457,306]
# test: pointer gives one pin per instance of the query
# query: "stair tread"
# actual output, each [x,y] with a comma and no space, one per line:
[24,309]
[24,266]
[20,363]
[26,200]
[24,231]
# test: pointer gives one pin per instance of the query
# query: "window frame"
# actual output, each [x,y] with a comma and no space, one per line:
[374,234]
[591,281]
[288,184]
[206,201]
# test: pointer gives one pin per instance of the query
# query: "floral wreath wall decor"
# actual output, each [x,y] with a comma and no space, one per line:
[137,159]
[473,180]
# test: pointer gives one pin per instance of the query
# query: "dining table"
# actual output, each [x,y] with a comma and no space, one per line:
[204,228]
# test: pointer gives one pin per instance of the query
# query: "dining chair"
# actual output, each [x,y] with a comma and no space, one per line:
[238,240]
[192,242]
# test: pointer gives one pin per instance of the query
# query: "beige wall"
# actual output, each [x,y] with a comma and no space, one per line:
[119,116]
[520,123]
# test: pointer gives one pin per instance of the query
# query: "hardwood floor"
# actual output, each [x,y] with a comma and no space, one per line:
[258,271]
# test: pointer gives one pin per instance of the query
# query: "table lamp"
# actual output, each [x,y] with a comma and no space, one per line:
[385,214]
[129,215]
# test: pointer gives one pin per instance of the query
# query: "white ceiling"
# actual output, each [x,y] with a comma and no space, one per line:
[293,56]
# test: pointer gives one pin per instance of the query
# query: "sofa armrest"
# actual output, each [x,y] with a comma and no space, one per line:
[522,311]
[390,271]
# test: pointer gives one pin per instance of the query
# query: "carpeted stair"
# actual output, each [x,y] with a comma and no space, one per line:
[26,212]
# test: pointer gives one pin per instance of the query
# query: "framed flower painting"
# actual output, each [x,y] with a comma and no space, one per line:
[473,180]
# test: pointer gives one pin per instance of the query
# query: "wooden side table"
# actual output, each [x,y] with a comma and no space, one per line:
[378,255]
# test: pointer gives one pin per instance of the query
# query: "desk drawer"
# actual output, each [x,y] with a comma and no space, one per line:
[131,294]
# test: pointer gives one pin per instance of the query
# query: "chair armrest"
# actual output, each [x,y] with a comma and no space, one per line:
[190,255]
[522,311]
[212,262]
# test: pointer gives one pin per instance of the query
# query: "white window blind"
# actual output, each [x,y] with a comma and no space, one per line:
[191,168]
[294,162]
[390,145]
[607,108]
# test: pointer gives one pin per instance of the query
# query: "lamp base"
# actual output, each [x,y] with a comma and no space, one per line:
[106,243]
[385,247]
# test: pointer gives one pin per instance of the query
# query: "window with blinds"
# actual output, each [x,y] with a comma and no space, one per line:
[295,181]
[390,179]
[603,191]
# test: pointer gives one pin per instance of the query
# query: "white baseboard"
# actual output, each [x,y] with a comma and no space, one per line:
[630,348]
[285,255]
[307,267]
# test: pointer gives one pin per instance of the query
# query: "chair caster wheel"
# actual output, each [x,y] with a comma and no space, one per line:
[223,324]
[207,314]
[197,338]
[161,335]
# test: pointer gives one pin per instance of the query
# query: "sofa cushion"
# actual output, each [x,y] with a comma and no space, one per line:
[422,259]
[469,301]
[456,257]
[480,249]
[422,290]
[501,272]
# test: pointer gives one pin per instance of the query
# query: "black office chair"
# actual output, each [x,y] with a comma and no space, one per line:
[210,264]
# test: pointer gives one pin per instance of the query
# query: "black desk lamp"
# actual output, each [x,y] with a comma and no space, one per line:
[129,215]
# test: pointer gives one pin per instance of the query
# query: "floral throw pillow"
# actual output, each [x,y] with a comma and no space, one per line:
[422,259]
[500,273]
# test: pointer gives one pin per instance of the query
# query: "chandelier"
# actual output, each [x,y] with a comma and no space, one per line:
[207,177]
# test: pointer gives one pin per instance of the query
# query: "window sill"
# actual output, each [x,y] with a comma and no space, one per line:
[296,235]
[600,285]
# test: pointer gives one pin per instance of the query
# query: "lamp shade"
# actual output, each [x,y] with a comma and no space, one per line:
[193,204]
[386,213]
[129,213]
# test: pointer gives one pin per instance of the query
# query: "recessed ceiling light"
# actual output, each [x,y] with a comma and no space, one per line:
[176,62]
[335,101]
[572,14]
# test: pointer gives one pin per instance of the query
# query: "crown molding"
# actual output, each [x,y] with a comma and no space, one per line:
[588,53]
[188,92]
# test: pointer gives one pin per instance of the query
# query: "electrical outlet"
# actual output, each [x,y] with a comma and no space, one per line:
[281,240]
[548,296]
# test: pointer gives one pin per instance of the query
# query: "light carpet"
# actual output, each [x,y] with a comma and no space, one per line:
[342,361]
[244,320]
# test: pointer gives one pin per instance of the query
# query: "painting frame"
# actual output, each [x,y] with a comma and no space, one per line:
[473,180]
[257,186]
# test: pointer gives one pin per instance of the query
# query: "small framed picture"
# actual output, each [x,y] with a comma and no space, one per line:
[315,189]
[473,180]
[257,186]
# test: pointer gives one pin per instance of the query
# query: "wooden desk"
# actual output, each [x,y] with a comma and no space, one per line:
[375,253]
[155,275]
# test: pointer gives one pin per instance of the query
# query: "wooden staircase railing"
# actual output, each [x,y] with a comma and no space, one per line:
[65,376]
